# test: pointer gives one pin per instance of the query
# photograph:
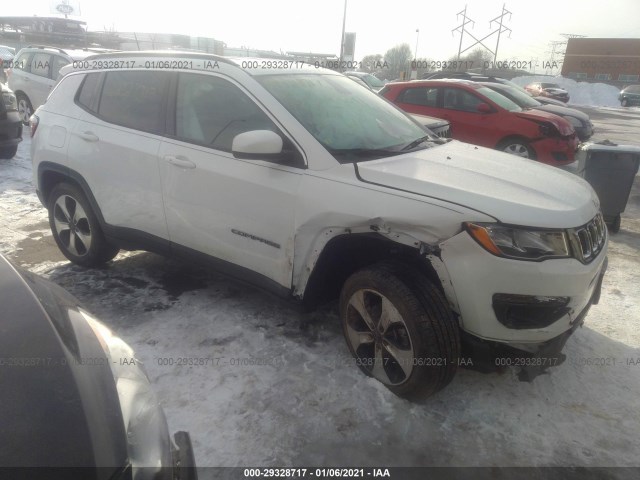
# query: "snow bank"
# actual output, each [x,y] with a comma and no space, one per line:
[581,93]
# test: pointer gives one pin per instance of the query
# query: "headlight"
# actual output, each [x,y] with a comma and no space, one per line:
[519,242]
[9,100]
[574,121]
[148,441]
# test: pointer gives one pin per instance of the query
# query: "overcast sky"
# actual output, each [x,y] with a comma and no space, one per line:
[301,25]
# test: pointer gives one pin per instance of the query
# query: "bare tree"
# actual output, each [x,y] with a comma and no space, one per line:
[398,60]
[371,63]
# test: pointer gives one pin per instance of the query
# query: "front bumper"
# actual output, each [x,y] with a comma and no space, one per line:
[532,359]
[556,151]
[476,276]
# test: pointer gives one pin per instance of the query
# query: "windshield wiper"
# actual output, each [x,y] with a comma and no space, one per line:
[417,142]
[364,152]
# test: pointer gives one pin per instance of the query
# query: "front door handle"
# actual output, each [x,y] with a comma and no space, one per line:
[88,136]
[180,161]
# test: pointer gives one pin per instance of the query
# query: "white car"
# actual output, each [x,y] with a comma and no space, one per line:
[34,72]
[304,183]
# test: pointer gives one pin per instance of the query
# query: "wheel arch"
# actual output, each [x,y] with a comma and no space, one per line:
[346,253]
[511,137]
[50,174]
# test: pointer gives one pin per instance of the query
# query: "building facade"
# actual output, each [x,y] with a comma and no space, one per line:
[607,60]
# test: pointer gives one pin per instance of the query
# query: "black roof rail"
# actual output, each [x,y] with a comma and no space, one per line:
[47,46]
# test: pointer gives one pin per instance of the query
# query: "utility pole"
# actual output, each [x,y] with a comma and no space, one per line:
[344,22]
[500,29]
[415,53]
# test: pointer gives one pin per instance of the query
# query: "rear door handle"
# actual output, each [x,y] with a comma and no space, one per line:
[88,136]
[180,161]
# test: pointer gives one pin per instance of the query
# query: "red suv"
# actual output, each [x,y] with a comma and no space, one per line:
[482,116]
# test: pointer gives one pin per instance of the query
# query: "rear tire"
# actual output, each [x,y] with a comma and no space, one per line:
[24,108]
[7,153]
[76,229]
[400,329]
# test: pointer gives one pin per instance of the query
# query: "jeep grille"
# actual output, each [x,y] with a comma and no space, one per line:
[588,240]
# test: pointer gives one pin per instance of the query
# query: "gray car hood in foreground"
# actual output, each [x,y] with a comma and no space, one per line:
[511,189]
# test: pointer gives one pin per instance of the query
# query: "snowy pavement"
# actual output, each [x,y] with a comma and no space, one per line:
[279,389]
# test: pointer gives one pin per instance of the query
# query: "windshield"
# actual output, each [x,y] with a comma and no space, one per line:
[499,99]
[352,123]
[518,96]
[549,85]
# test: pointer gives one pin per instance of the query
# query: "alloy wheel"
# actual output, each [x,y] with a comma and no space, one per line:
[72,225]
[517,149]
[379,337]
[24,110]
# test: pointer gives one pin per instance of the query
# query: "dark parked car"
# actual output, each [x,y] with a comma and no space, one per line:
[630,95]
[74,394]
[10,123]
[550,90]
[440,127]
[580,120]
[477,77]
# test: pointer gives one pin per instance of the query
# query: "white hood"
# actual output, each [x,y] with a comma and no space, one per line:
[509,188]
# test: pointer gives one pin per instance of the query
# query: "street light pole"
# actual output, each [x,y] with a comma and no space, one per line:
[415,53]
[344,21]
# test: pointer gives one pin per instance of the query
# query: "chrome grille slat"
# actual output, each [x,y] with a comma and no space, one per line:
[588,240]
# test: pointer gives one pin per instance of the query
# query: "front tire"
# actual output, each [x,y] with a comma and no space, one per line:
[76,229]
[517,146]
[24,108]
[400,329]
[624,102]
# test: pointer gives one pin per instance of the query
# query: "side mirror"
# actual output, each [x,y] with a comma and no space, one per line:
[257,144]
[484,108]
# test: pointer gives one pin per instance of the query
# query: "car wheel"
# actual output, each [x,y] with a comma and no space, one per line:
[76,229]
[517,146]
[8,152]
[624,102]
[400,330]
[24,108]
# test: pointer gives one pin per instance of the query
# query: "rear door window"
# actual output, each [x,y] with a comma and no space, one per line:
[135,100]
[423,96]
[40,64]
[57,63]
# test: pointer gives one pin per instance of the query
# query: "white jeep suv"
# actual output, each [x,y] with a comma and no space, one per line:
[302,182]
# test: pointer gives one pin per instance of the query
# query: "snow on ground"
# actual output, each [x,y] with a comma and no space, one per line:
[280,389]
[580,93]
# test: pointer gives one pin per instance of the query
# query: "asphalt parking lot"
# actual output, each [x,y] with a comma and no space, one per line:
[283,391]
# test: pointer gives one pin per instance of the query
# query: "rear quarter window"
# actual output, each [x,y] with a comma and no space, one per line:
[88,93]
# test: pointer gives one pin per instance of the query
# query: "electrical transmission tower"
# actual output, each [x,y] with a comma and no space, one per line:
[500,30]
